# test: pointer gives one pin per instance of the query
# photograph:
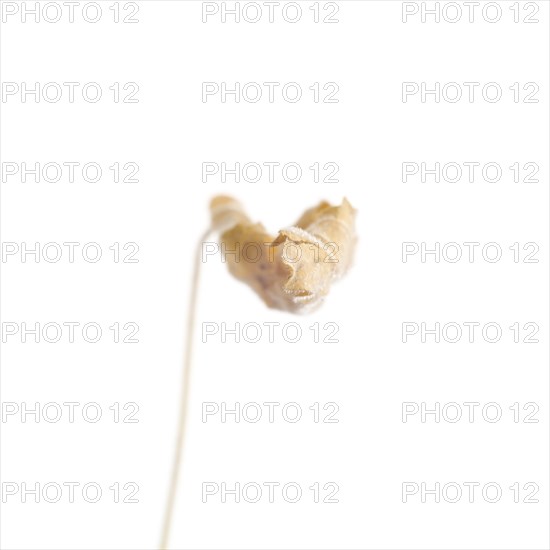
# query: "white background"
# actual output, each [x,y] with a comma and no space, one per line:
[370,372]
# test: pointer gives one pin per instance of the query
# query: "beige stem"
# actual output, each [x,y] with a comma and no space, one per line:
[184,398]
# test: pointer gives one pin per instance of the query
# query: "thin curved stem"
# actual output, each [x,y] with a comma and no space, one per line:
[184,398]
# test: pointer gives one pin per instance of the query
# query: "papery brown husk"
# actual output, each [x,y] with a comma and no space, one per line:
[294,270]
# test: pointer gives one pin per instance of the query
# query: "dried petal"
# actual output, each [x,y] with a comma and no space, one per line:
[294,270]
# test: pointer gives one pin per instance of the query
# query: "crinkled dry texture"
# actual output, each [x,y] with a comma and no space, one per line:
[294,270]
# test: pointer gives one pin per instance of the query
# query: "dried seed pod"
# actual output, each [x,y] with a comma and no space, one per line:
[292,271]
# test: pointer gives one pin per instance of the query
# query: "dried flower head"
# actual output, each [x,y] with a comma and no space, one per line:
[292,271]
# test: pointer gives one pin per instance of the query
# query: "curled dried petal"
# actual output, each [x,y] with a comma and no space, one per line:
[294,270]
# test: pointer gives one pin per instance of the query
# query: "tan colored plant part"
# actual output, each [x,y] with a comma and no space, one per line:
[294,270]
